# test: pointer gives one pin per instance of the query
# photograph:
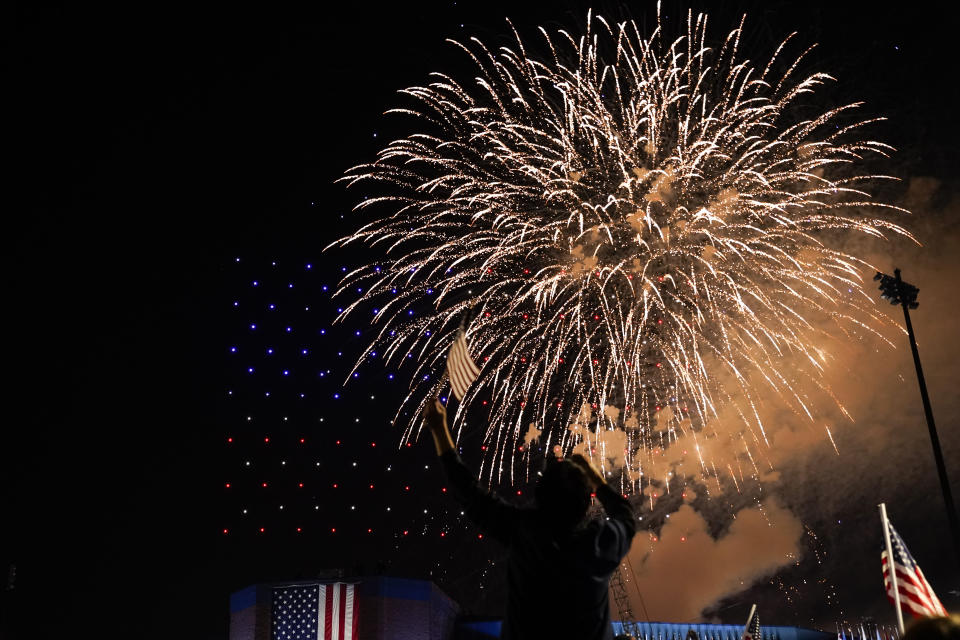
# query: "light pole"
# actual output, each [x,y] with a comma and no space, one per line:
[896,291]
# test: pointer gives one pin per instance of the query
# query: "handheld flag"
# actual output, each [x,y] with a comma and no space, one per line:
[461,369]
[751,631]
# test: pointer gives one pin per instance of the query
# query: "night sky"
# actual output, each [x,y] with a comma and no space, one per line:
[169,191]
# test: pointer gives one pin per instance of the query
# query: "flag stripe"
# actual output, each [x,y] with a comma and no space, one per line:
[322,617]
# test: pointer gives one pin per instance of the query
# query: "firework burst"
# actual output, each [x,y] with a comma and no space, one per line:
[641,232]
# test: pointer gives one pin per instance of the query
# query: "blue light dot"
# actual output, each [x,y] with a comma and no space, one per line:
[290,286]
[323,331]
[236,303]
[249,369]
[304,352]
[393,290]
[377,269]
[357,332]
[343,268]
[324,287]
[321,374]
[426,376]
[339,309]
[376,311]
[303,395]
[356,375]
[427,332]
[267,394]
[269,352]
[373,354]
[255,283]
[289,329]
[274,263]
[340,353]
[229,393]
[410,312]
[336,396]
[390,377]
[253,326]
[286,372]
[238,259]
[233,349]
[273,306]
[443,399]
[429,291]
[359,290]
[309,266]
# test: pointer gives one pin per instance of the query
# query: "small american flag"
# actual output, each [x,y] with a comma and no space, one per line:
[916,595]
[461,369]
[751,631]
[314,612]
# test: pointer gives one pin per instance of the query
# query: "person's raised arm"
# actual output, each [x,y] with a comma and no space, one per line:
[485,509]
[616,506]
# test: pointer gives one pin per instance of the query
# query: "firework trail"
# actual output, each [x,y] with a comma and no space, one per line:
[641,230]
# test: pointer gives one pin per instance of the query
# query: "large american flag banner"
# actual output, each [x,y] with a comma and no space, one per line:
[314,612]
[460,366]
[916,594]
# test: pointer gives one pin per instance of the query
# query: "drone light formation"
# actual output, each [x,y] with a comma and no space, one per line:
[640,233]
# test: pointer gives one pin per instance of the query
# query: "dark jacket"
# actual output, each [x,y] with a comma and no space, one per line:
[557,582]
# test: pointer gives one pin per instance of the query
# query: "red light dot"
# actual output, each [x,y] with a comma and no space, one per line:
[302,440]
[371,486]
[373,444]
[519,493]
[264,485]
[228,485]
[299,529]
[229,439]
[593,495]
[596,317]
[335,485]
[338,443]
[483,447]
[683,538]
[266,439]
[409,444]
[225,531]
[262,529]
[444,489]
[443,534]
[406,488]
[480,536]
[333,530]
[301,485]
[369,530]
[405,532]
[660,321]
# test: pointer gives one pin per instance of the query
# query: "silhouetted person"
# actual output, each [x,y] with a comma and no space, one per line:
[940,628]
[559,563]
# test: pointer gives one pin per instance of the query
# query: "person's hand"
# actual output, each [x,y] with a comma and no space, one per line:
[435,416]
[588,469]
[435,419]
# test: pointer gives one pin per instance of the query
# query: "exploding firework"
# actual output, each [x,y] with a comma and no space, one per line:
[641,233]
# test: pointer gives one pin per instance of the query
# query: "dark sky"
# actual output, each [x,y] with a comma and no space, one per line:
[148,147]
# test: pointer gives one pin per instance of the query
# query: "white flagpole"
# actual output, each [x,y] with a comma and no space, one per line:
[891,566]
[746,627]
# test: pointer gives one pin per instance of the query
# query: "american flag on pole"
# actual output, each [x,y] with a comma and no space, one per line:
[916,595]
[751,630]
[314,612]
[461,369]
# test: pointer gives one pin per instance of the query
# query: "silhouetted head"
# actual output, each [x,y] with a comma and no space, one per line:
[942,628]
[563,494]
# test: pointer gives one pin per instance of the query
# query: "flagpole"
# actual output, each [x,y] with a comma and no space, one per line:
[891,565]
